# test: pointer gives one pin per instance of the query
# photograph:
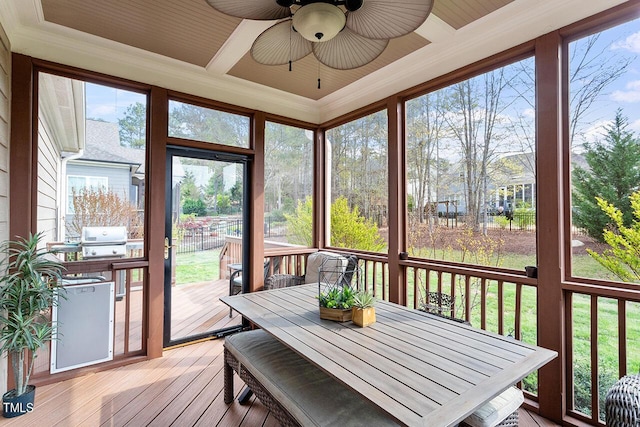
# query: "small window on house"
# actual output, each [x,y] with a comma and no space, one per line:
[80,187]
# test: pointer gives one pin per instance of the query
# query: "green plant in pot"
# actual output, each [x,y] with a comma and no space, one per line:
[336,303]
[363,310]
[28,290]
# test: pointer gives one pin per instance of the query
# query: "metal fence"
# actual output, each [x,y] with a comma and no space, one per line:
[197,237]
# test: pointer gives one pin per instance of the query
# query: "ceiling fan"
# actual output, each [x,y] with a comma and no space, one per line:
[342,34]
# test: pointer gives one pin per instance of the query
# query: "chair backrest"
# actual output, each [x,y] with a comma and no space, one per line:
[352,268]
[267,266]
[439,303]
[333,266]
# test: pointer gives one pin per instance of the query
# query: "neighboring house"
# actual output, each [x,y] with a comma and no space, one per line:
[105,163]
[511,180]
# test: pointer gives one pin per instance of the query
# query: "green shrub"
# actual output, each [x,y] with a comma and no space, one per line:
[197,207]
[623,257]
[349,229]
[524,217]
[501,220]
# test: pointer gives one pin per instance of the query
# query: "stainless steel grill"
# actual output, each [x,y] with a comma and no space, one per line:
[103,242]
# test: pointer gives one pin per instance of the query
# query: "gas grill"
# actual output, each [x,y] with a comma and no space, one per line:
[103,242]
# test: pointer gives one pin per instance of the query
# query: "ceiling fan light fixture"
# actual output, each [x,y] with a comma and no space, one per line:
[319,22]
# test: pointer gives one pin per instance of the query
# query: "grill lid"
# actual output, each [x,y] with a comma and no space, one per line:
[100,236]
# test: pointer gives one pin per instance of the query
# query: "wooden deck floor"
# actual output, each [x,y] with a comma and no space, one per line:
[183,388]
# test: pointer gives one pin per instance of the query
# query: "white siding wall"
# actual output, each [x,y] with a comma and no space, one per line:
[5,109]
[48,166]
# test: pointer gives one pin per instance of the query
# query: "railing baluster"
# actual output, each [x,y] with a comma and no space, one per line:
[500,307]
[483,303]
[568,308]
[595,396]
[416,278]
[467,298]
[518,314]
[622,338]
[453,293]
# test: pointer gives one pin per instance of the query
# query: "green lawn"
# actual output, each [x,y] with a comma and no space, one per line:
[197,267]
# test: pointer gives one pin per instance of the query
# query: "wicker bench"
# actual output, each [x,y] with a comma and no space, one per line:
[299,394]
[296,392]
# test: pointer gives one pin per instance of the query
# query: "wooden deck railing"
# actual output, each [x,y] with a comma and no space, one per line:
[291,259]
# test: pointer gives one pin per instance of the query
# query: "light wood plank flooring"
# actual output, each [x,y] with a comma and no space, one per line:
[183,388]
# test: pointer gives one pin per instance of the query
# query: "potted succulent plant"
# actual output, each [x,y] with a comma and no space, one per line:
[336,303]
[363,310]
[28,289]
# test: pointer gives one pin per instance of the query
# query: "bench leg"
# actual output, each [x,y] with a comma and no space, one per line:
[245,395]
[228,381]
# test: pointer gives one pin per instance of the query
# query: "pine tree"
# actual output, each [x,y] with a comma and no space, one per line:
[613,175]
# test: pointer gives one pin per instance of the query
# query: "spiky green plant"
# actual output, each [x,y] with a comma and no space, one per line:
[27,291]
[363,299]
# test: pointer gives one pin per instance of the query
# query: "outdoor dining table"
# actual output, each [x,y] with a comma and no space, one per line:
[421,369]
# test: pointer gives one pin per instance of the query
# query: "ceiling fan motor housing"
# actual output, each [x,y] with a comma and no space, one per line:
[319,22]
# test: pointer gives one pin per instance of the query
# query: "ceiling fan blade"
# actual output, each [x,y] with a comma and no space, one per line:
[348,50]
[279,44]
[388,19]
[261,10]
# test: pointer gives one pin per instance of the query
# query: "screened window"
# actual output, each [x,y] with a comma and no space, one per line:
[190,121]
[91,160]
[604,135]
[288,185]
[357,178]
[471,184]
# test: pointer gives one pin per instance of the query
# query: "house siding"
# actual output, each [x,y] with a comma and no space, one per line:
[5,108]
[48,173]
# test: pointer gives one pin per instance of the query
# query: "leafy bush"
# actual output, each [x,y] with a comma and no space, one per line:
[623,257]
[501,220]
[349,229]
[224,204]
[194,206]
[98,207]
[607,376]
[300,223]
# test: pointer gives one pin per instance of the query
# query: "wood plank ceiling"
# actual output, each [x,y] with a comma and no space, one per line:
[192,32]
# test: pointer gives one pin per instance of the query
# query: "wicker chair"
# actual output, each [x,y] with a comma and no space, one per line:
[622,403]
[314,262]
[438,303]
[235,280]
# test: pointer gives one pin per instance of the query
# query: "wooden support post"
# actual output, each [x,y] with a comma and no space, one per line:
[397,200]
[549,173]
[256,208]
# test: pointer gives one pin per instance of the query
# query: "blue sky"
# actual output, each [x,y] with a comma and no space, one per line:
[619,42]
[109,104]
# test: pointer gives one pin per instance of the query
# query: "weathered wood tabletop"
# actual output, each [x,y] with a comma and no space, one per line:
[419,368]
